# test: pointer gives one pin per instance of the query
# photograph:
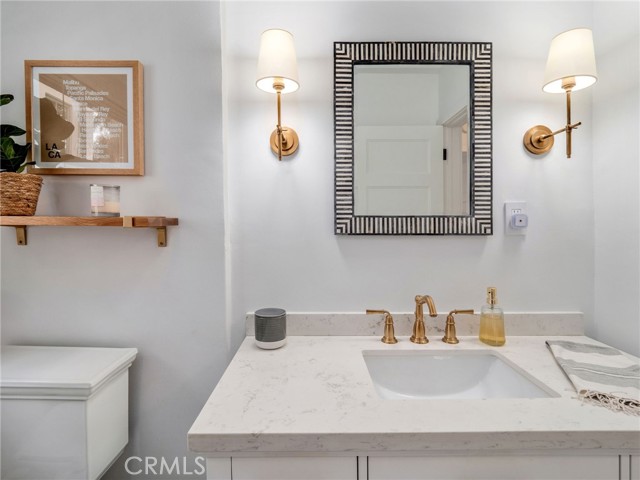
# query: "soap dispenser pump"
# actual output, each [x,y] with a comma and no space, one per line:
[492,321]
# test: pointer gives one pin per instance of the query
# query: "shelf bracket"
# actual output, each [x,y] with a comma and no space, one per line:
[127,222]
[21,235]
[162,236]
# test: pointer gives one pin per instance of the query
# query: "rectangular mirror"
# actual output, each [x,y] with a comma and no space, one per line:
[413,138]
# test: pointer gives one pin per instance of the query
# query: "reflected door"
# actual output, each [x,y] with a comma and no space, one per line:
[398,170]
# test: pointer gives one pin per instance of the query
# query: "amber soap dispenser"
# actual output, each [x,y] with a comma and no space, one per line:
[492,321]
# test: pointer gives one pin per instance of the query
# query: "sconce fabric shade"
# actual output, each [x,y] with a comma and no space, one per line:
[277,61]
[571,55]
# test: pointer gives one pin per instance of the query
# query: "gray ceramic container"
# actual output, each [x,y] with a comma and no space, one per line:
[271,327]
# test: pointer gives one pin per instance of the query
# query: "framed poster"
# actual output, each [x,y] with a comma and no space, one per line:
[85,117]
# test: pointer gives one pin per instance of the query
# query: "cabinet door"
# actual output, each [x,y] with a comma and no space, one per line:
[634,467]
[494,468]
[219,468]
[295,468]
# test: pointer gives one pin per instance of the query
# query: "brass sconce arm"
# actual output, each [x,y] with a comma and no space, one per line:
[567,129]
[284,140]
[539,139]
[278,89]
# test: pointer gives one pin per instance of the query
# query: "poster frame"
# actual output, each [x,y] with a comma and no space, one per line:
[134,112]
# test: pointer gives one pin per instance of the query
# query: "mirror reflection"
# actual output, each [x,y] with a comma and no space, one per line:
[411,139]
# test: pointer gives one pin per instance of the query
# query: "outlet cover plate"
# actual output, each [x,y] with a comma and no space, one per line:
[510,209]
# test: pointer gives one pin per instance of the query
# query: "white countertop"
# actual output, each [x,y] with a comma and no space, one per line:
[315,396]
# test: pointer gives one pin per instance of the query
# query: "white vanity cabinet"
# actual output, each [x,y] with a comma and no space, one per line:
[546,467]
[633,467]
[283,468]
[455,467]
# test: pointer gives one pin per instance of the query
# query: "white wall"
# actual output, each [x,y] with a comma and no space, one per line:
[114,287]
[284,250]
[454,92]
[403,96]
[616,156]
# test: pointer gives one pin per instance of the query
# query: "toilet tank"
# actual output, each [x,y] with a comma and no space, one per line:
[64,410]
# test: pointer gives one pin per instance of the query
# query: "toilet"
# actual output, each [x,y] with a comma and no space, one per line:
[64,410]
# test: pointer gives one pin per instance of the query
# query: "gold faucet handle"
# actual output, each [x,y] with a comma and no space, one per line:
[468,311]
[450,327]
[389,334]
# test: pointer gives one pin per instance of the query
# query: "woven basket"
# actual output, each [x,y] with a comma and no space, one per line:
[19,193]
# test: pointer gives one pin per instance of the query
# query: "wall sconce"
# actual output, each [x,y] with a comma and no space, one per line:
[571,66]
[278,73]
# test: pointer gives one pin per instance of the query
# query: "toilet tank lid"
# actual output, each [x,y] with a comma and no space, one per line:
[56,372]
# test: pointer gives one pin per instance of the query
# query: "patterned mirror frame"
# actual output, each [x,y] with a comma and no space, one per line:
[479,58]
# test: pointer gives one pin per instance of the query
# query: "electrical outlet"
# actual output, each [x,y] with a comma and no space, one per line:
[516,219]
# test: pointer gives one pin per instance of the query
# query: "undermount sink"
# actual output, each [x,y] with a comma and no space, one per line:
[464,374]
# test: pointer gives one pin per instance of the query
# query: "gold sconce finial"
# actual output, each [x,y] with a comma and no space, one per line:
[571,66]
[278,73]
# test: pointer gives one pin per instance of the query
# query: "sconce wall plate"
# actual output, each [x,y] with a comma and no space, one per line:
[290,141]
[536,140]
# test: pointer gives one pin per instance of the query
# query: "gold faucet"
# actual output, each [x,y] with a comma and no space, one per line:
[389,334]
[419,335]
[450,328]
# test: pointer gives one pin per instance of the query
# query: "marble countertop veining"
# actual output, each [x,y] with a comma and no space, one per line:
[353,323]
[315,396]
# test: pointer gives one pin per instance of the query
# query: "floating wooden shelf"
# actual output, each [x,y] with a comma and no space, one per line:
[21,224]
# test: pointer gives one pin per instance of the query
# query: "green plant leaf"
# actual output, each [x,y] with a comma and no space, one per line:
[10,164]
[12,155]
[24,165]
[5,98]
[11,131]
[21,151]
[7,146]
